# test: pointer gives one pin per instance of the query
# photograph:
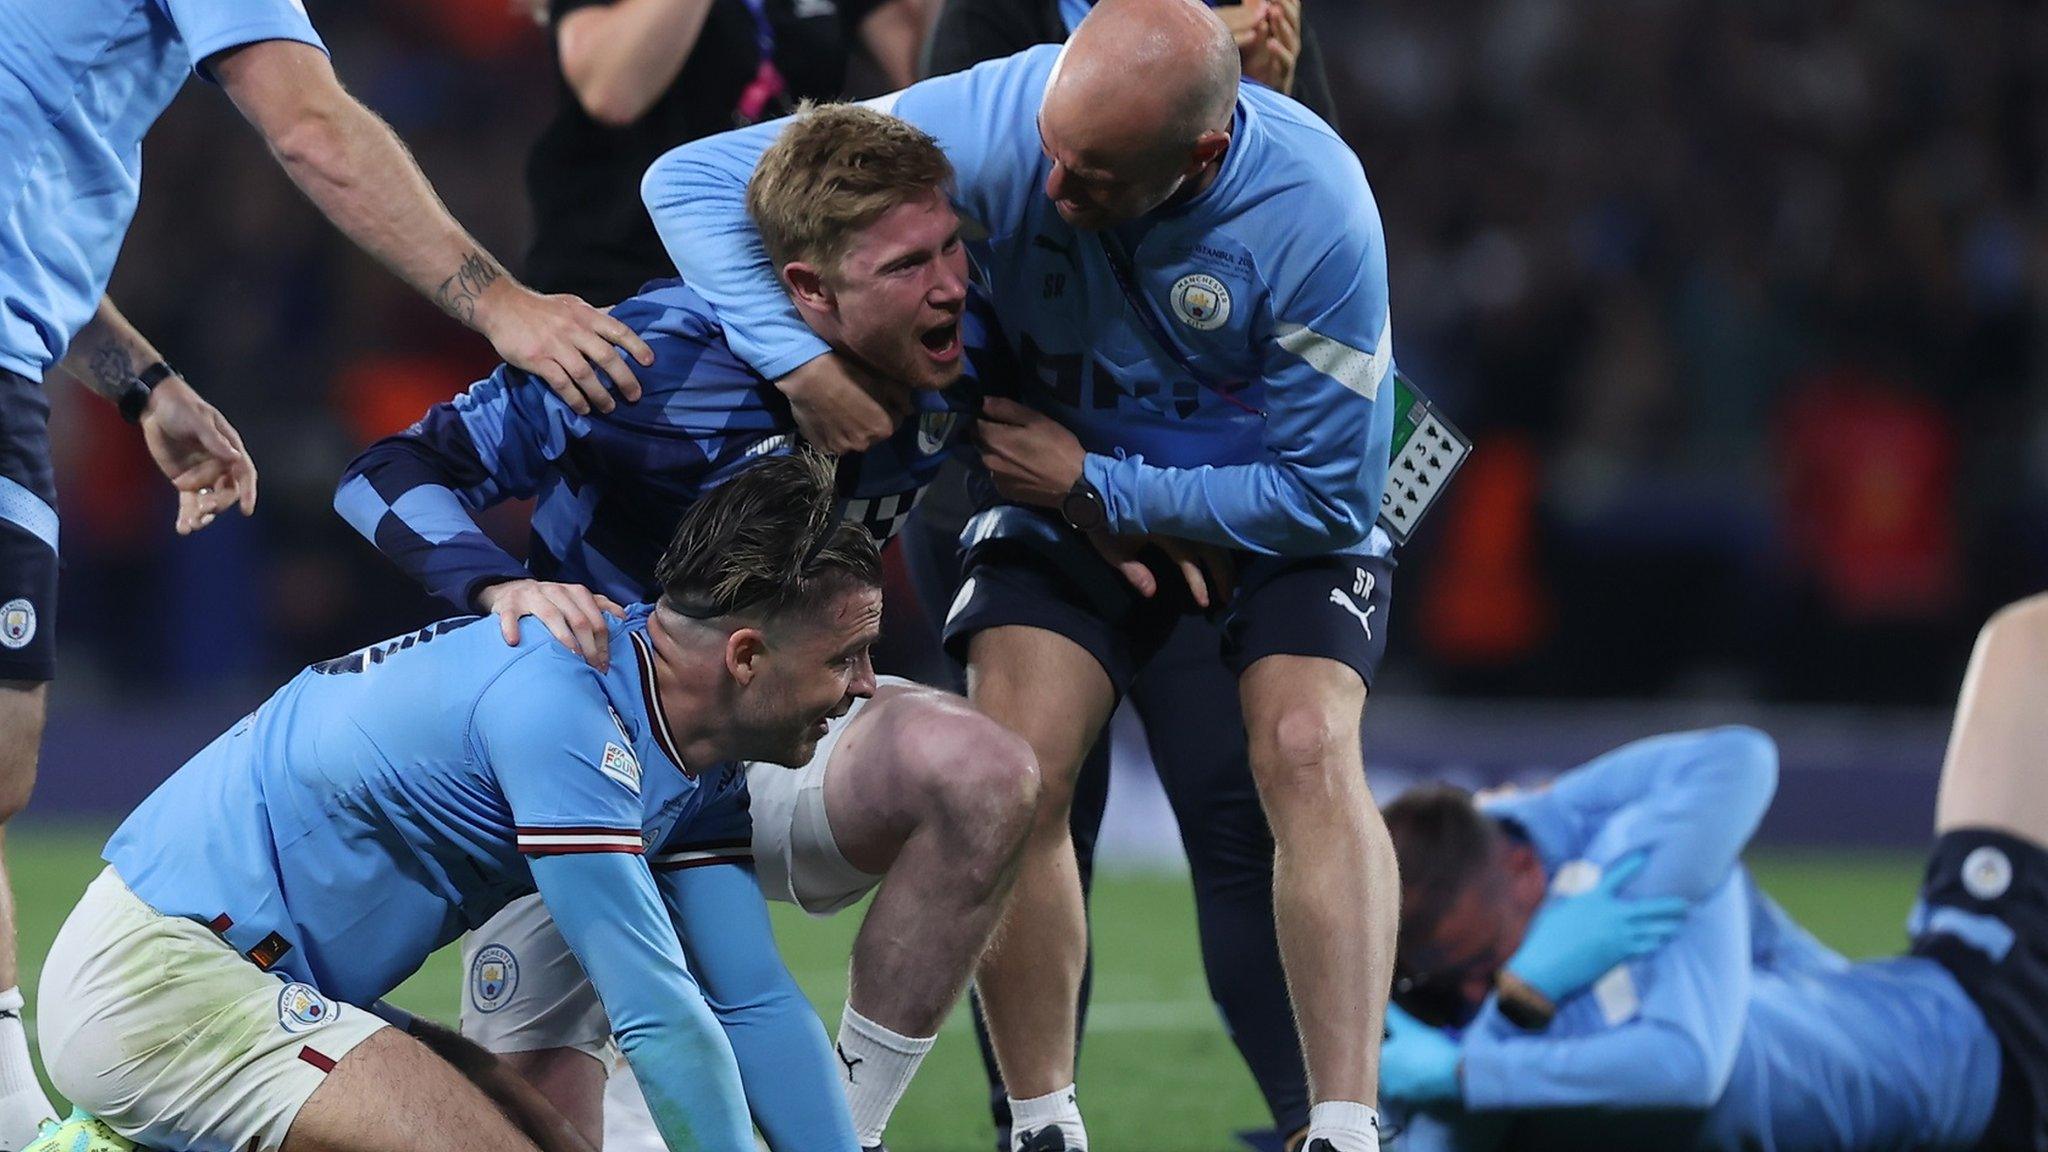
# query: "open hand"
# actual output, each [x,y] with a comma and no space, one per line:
[1210,572]
[571,346]
[201,454]
[571,613]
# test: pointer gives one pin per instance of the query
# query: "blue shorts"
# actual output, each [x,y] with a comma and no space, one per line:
[1983,915]
[28,532]
[1329,606]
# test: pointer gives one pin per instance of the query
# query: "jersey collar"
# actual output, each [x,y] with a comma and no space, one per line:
[657,717]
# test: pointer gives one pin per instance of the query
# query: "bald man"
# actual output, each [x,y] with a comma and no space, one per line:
[1193,279]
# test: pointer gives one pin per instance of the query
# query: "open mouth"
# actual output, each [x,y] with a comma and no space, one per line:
[943,342]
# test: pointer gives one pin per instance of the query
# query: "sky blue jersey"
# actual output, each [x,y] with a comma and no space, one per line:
[1222,360]
[81,81]
[383,802]
[609,488]
[1743,1032]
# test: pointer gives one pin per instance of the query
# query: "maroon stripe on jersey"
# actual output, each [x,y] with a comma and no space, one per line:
[707,846]
[575,830]
[319,1060]
[220,924]
[644,648]
[574,850]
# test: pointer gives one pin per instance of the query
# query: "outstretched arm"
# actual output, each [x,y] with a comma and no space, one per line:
[358,173]
[791,1077]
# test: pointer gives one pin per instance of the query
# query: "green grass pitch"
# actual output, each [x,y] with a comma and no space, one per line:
[1157,1071]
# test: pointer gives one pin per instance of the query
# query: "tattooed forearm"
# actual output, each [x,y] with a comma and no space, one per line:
[458,293]
[108,366]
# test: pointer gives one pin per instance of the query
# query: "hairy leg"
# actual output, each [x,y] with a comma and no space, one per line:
[390,1094]
[22,707]
[1336,891]
[1991,775]
[1048,690]
[937,797]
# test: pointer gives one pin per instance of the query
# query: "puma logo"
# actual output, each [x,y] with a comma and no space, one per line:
[1364,615]
[849,1061]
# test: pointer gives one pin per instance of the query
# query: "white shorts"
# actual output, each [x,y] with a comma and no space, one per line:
[160,1028]
[523,990]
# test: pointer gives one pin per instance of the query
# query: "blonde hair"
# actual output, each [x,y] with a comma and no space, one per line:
[834,170]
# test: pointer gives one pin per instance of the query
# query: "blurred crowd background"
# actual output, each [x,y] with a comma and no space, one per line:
[1743,302]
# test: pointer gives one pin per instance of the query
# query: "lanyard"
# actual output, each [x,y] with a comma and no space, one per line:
[1126,279]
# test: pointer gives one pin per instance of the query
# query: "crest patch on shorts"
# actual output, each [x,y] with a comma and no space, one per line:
[1987,873]
[301,1008]
[493,976]
[17,623]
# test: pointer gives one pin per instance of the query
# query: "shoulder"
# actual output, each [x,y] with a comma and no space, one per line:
[691,354]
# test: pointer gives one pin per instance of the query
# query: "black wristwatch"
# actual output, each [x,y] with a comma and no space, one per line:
[134,394]
[1082,507]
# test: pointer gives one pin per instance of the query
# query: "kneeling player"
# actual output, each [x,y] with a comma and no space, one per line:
[209,992]
[1743,1032]
[916,785]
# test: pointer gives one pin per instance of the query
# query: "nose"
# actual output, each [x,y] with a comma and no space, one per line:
[949,283]
[863,683]
[1058,184]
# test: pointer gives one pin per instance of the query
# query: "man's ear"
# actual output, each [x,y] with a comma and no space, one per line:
[1208,149]
[745,650]
[807,286]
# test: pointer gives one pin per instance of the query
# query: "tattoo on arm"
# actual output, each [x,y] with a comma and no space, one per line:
[108,366]
[458,293]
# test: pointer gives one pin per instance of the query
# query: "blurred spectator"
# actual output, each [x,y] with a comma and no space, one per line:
[1627,242]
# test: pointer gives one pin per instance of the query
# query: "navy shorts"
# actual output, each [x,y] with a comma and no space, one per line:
[28,532]
[1329,606]
[1983,915]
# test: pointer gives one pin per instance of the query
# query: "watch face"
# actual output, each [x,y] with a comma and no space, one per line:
[1083,511]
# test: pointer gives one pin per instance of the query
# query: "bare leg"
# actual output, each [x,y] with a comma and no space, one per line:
[936,795]
[572,1081]
[1336,891]
[1047,689]
[390,1094]
[1995,774]
[22,1103]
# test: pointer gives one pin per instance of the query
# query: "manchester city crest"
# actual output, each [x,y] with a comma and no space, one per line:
[301,1008]
[1201,302]
[17,623]
[492,977]
[932,430]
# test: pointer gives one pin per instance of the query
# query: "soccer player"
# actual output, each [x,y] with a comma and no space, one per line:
[212,989]
[1221,363]
[1743,1032]
[81,81]
[916,787]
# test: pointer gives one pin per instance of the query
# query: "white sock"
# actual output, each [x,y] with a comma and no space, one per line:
[22,1103]
[875,1065]
[1039,1112]
[1347,1126]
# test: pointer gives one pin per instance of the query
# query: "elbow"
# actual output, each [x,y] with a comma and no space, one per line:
[608,103]
[1746,761]
[1682,1077]
[313,144]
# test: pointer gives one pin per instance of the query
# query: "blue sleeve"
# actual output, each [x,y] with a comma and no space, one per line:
[1324,364]
[697,195]
[1691,800]
[614,921]
[791,1077]
[558,755]
[412,495]
[1674,1047]
[209,27]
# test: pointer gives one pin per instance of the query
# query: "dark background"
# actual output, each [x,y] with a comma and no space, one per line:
[1742,302]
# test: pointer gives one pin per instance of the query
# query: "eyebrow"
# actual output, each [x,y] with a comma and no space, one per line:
[1094,175]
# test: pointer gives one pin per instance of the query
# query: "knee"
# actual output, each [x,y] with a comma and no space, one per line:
[976,776]
[1297,744]
[2023,623]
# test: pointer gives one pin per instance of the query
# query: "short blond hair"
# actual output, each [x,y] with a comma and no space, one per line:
[834,170]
